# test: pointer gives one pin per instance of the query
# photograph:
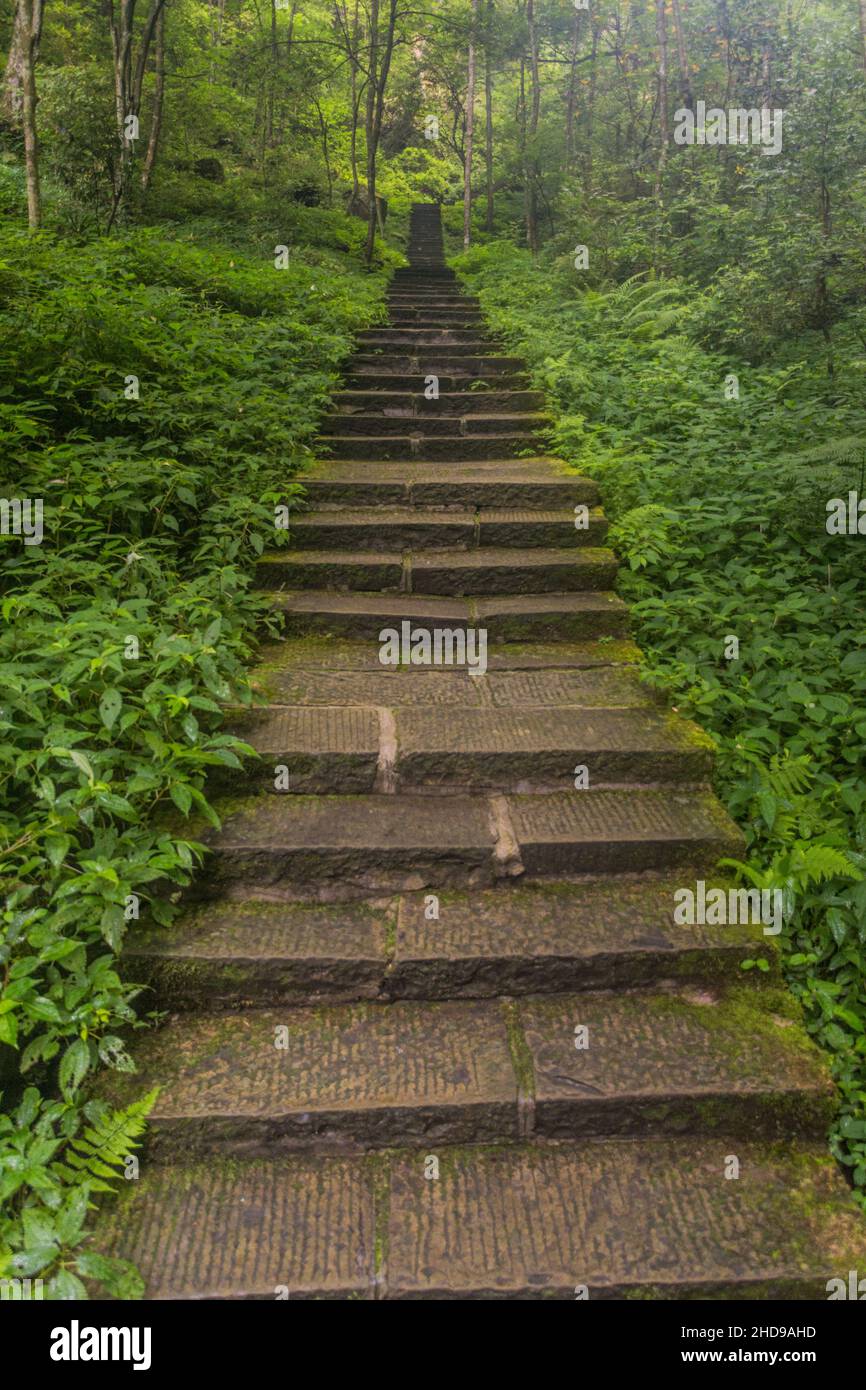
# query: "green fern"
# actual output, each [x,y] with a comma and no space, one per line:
[787,776]
[819,863]
[98,1155]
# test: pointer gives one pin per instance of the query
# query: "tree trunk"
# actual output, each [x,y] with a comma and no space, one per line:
[488,119]
[129,70]
[20,45]
[352,46]
[531,166]
[326,153]
[683,58]
[470,130]
[31,22]
[571,99]
[590,109]
[158,97]
[377,83]
[662,36]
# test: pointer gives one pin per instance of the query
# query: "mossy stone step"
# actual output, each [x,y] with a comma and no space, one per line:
[649,1218]
[409,447]
[355,845]
[484,484]
[479,571]
[525,665]
[416,404]
[486,366]
[408,528]
[514,940]
[582,616]
[433,426]
[375,1075]
[349,747]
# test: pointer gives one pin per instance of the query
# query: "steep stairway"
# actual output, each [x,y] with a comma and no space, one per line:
[433,1030]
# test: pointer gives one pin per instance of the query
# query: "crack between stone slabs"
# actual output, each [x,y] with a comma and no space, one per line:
[381,1193]
[522,1066]
[506,849]
[386,763]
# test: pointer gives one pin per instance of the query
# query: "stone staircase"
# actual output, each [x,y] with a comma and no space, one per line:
[432,1028]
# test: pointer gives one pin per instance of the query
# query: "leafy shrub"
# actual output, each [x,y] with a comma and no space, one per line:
[719,510]
[124,634]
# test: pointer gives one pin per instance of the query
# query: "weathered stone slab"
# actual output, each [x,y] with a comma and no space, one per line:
[298,1228]
[304,749]
[505,748]
[378,528]
[531,526]
[516,939]
[544,616]
[329,569]
[500,570]
[366,615]
[225,953]
[353,843]
[620,830]
[738,1062]
[603,687]
[267,1081]
[652,1219]
[385,687]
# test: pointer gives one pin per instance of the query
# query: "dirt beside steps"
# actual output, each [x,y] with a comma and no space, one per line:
[434,1029]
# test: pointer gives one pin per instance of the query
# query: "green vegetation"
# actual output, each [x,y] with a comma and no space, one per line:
[722,527]
[130,625]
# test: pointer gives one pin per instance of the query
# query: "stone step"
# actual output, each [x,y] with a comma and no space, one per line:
[404,377]
[441,363]
[568,617]
[648,1219]
[432,424]
[327,671]
[427,350]
[412,528]
[504,570]
[259,1083]
[457,449]
[541,673]
[488,484]
[363,748]
[481,571]
[403,404]
[419,338]
[612,933]
[426,316]
[353,845]
[432,299]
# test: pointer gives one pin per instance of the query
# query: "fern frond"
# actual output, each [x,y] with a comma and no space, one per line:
[817,863]
[101,1151]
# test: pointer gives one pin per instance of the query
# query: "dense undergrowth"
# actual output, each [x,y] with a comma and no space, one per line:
[158,390]
[717,476]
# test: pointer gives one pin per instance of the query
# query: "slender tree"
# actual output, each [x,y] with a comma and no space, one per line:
[470,129]
[662,100]
[130,63]
[683,57]
[488,115]
[380,52]
[158,99]
[21,95]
